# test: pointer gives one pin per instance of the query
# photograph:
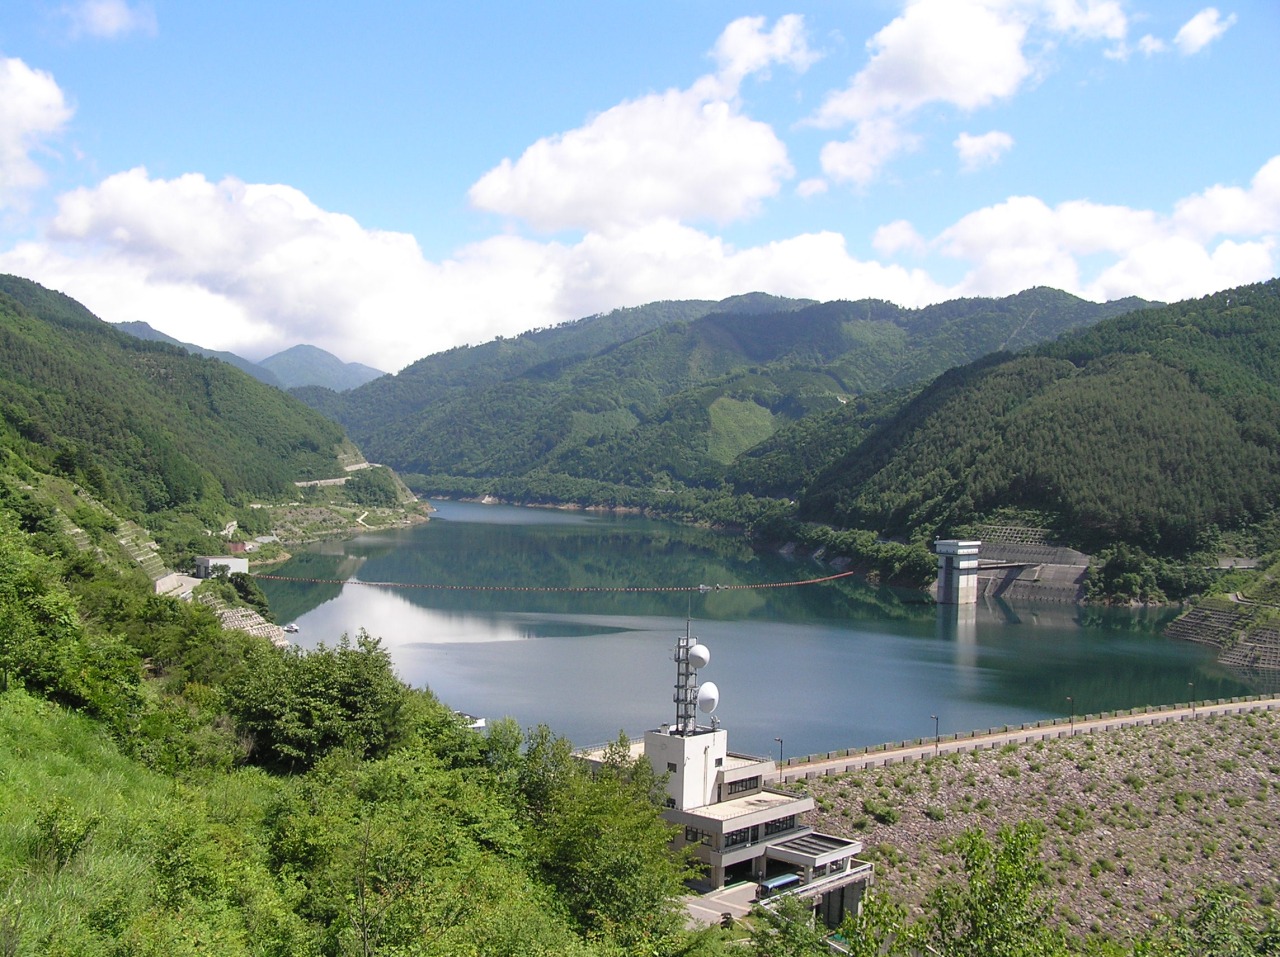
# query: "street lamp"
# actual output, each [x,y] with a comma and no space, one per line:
[935,734]
[1191,686]
[1072,702]
[779,740]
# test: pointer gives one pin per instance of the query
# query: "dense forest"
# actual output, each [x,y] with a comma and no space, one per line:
[1160,429]
[179,442]
[672,394]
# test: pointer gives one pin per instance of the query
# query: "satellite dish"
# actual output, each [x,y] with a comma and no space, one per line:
[699,656]
[708,697]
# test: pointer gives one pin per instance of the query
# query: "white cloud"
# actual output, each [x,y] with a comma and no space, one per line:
[897,236]
[860,158]
[1201,30]
[975,152]
[32,110]
[267,269]
[1175,267]
[1230,210]
[1149,45]
[675,154]
[814,186]
[744,48]
[1023,242]
[109,19]
[967,54]
[961,52]
[1094,19]
[684,154]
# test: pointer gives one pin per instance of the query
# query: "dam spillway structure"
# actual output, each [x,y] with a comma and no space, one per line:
[957,571]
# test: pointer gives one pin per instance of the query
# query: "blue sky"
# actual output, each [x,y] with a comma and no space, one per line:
[389,179]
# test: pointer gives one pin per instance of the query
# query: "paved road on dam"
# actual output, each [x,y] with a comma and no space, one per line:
[838,762]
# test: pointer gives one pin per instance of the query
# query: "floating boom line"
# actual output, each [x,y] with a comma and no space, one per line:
[558,588]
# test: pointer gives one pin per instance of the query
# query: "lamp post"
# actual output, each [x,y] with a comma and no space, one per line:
[1072,703]
[935,734]
[779,740]
[1191,687]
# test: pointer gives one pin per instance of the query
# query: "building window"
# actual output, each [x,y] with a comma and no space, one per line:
[746,835]
[671,767]
[746,784]
[719,762]
[694,836]
[780,825]
[670,802]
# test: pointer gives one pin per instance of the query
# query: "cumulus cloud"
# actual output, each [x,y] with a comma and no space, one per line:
[1201,30]
[961,52]
[897,236]
[684,154]
[1222,237]
[1232,210]
[32,110]
[814,186]
[1149,45]
[966,54]
[267,269]
[874,143]
[1176,267]
[1092,19]
[108,19]
[975,152]
[675,154]
[745,48]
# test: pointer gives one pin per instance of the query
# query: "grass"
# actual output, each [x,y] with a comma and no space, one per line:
[99,855]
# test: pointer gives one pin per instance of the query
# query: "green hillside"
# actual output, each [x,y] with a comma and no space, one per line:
[675,393]
[142,330]
[143,425]
[1160,429]
[109,430]
[382,404]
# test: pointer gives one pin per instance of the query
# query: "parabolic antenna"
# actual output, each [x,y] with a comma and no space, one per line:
[699,655]
[708,697]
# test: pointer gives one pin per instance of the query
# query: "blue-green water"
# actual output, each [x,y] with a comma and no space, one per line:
[824,666]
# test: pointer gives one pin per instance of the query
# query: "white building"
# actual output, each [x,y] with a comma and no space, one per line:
[207,565]
[737,826]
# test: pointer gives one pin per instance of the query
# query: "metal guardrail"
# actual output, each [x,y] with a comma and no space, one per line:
[1050,727]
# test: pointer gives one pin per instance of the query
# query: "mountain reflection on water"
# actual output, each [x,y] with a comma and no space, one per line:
[826,666]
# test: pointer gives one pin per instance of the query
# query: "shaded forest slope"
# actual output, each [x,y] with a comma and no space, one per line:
[1160,428]
[145,426]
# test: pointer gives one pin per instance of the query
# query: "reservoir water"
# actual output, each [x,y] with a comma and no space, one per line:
[506,611]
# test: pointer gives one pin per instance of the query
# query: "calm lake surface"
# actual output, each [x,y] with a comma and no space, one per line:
[823,666]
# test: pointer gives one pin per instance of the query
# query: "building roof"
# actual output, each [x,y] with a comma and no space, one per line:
[752,804]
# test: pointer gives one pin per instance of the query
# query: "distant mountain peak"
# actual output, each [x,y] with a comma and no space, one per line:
[305,364]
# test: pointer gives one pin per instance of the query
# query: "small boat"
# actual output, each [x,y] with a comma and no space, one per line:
[291,628]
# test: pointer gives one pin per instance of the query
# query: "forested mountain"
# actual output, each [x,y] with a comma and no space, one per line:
[298,366]
[142,330]
[145,426]
[308,365]
[1158,428]
[382,403]
[674,392]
